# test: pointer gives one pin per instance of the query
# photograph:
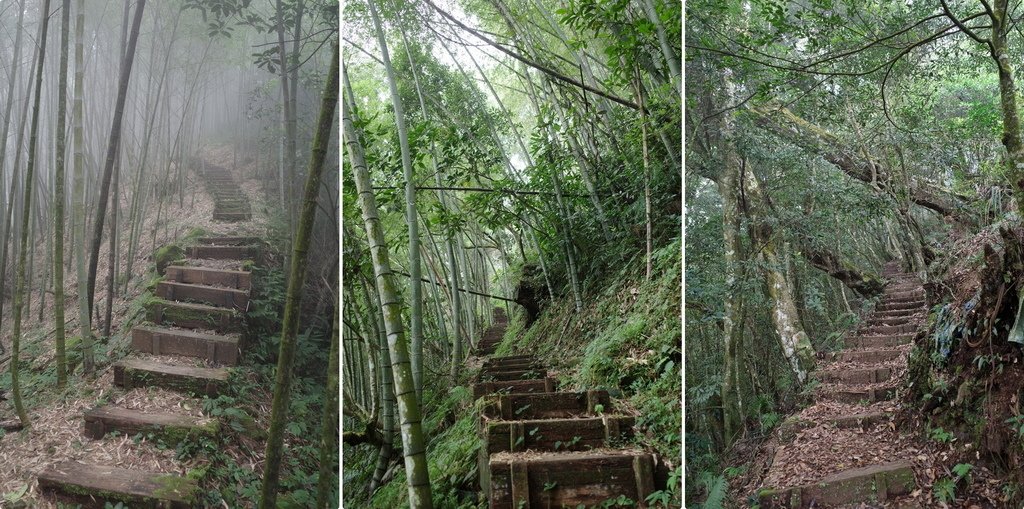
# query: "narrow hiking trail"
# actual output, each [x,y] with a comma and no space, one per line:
[192,336]
[546,448]
[846,449]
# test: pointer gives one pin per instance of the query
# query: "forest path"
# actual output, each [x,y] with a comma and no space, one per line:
[844,449]
[547,448]
[193,335]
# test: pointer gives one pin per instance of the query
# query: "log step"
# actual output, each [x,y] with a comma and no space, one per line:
[193,316]
[93,485]
[223,252]
[510,364]
[556,434]
[879,330]
[131,373]
[212,347]
[861,420]
[502,375]
[569,479]
[212,295]
[545,405]
[901,306]
[871,484]
[876,342]
[866,355]
[855,376]
[169,427]
[537,385]
[237,279]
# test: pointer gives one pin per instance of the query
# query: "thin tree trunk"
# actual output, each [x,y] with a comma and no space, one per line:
[329,427]
[112,147]
[78,194]
[292,310]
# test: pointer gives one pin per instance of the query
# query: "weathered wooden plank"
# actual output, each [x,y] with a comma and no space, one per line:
[556,434]
[131,373]
[211,295]
[223,252]
[875,483]
[94,485]
[171,428]
[239,279]
[546,405]
[193,316]
[569,479]
[161,341]
[538,385]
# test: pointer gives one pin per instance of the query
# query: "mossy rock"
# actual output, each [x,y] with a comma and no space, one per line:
[167,255]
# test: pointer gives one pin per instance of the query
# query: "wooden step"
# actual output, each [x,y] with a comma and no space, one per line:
[221,349]
[171,428]
[876,342]
[229,241]
[93,485]
[861,420]
[569,480]
[855,376]
[898,313]
[546,405]
[501,375]
[858,396]
[537,385]
[875,321]
[232,216]
[237,279]
[131,373]
[212,295]
[880,330]
[916,305]
[557,434]
[865,355]
[871,484]
[224,252]
[506,365]
[193,316]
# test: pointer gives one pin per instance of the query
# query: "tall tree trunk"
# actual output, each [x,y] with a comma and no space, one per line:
[732,323]
[12,81]
[296,281]
[78,194]
[58,205]
[411,217]
[413,442]
[112,147]
[19,286]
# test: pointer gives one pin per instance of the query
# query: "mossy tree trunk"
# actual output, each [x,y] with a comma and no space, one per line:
[329,426]
[296,281]
[414,445]
[732,323]
[26,213]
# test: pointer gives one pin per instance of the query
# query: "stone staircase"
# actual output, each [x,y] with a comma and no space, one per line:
[191,340]
[229,203]
[843,449]
[547,448]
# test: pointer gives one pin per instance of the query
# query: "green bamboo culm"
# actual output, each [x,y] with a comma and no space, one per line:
[296,280]
[329,428]
[58,205]
[413,442]
[19,287]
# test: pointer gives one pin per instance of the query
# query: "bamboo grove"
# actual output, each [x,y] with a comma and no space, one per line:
[110,113]
[501,154]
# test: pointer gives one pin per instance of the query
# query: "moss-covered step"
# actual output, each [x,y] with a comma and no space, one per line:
[131,373]
[569,479]
[223,252]
[887,330]
[557,434]
[221,349]
[193,316]
[872,484]
[212,295]
[171,428]
[238,279]
[229,241]
[535,385]
[94,485]
[865,355]
[900,305]
[876,342]
[546,405]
